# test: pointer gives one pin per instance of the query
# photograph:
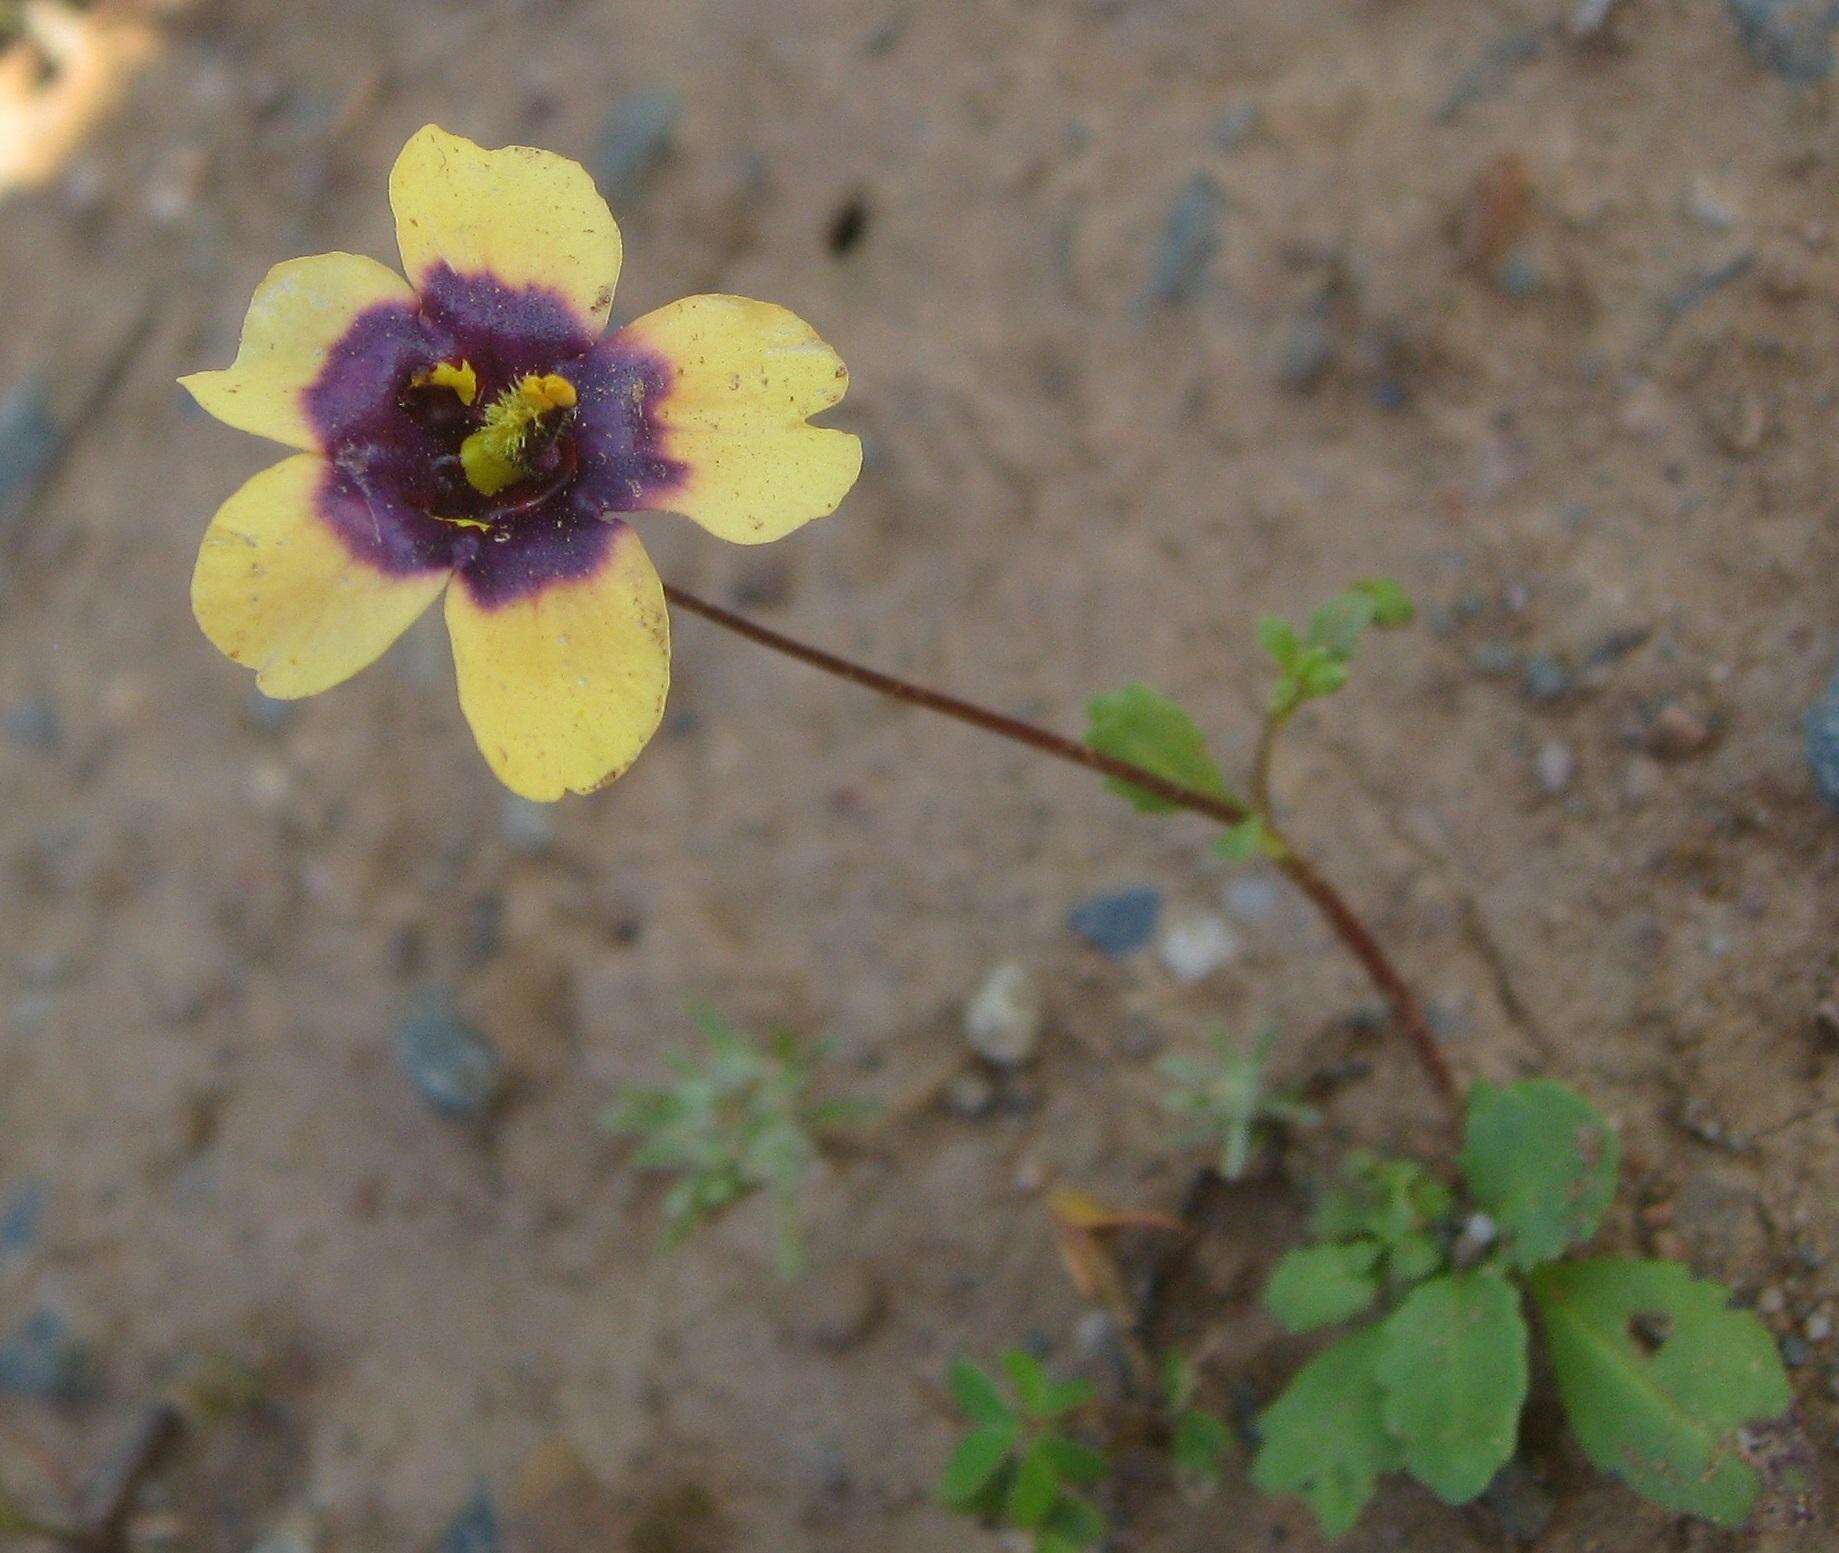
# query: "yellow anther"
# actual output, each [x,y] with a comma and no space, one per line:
[461,379]
[492,455]
[548,392]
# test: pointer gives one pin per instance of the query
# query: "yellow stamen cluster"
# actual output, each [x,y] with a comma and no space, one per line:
[461,379]
[493,455]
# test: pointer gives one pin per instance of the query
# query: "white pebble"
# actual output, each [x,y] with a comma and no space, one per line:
[1553,766]
[1004,1020]
[1195,947]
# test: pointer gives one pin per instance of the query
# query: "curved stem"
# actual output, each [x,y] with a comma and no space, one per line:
[1341,917]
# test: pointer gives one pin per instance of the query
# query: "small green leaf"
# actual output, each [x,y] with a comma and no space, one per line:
[1412,1259]
[980,1455]
[1323,676]
[1065,1396]
[1338,625]
[1392,606]
[1149,730]
[1542,1161]
[1029,1378]
[1325,1438]
[1075,1463]
[1453,1368]
[1074,1523]
[1279,640]
[1033,1490]
[1197,1443]
[1657,1374]
[1388,1199]
[977,1396]
[1317,1286]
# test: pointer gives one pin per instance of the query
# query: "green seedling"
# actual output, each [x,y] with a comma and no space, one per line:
[1224,1100]
[1016,1467]
[740,1120]
[1656,1371]
[1197,1439]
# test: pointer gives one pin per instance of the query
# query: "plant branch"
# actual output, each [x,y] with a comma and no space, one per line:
[1341,917]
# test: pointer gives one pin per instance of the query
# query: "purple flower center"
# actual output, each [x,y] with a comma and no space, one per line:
[396,490]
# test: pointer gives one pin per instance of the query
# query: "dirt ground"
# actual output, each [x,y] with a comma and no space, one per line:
[1544,327]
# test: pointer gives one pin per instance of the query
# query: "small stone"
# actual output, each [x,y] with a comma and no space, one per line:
[1818,1326]
[1772,1301]
[1679,732]
[1546,679]
[528,828]
[29,444]
[1195,947]
[1793,38]
[1521,1500]
[475,1529]
[1589,18]
[1119,923]
[32,724]
[1795,1351]
[1709,205]
[1030,1174]
[454,1067]
[837,1308]
[635,138]
[1004,1020]
[43,1359]
[1251,898]
[971,1096]
[1553,767]
[1190,238]
[1641,781]
[1822,732]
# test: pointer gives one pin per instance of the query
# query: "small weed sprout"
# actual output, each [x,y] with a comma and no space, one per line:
[1197,1439]
[1223,1099]
[1016,1468]
[740,1120]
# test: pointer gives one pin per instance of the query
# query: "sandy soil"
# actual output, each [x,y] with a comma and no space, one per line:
[1522,405]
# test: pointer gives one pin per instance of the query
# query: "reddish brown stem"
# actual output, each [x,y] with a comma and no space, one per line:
[1339,915]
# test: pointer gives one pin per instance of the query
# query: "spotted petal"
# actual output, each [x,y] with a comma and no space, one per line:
[564,683]
[277,588]
[299,312]
[522,216]
[740,380]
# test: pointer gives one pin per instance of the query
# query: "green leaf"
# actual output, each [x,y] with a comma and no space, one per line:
[1452,1365]
[1325,1437]
[1542,1161]
[1389,1199]
[1197,1443]
[1073,1462]
[1033,1491]
[1074,1523]
[1279,640]
[1149,730]
[977,1396]
[1317,1286]
[1338,625]
[1029,1378]
[1412,1259]
[1065,1396]
[1392,606]
[1250,838]
[980,1455]
[1657,1374]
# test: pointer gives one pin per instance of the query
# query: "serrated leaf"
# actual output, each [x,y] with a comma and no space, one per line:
[977,1395]
[1663,1419]
[1149,730]
[980,1455]
[1325,1438]
[1452,1364]
[1316,1286]
[1542,1161]
[1033,1490]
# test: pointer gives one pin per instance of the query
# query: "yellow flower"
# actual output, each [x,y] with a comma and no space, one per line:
[474,426]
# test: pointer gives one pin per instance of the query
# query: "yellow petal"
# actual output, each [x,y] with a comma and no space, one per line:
[298,313]
[277,589]
[742,378]
[565,685]
[526,217]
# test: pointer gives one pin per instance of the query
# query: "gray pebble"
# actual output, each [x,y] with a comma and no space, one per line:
[1553,766]
[1190,238]
[1545,679]
[1791,37]
[1119,923]
[634,138]
[32,724]
[29,443]
[43,1359]
[1822,730]
[456,1068]
[1795,1350]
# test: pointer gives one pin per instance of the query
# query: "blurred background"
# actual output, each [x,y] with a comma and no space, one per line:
[1160,314]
